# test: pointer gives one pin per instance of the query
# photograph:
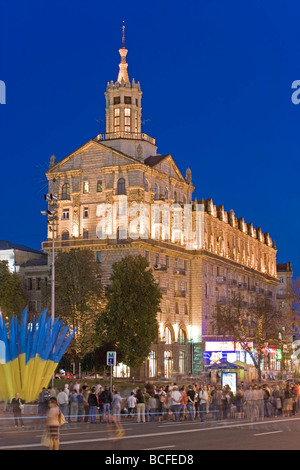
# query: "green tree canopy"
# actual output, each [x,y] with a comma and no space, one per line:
[129,319]
[78,295]
[13,298]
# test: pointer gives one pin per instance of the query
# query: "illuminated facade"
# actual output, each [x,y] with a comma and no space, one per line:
[100,186]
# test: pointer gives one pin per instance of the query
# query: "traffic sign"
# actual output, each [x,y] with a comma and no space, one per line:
[111,358]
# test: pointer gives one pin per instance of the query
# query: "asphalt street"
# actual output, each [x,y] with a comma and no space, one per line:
[268,434]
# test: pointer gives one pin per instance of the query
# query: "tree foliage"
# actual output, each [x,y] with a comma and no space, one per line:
[78,295]
[13,298]
[259,324]
[129,319]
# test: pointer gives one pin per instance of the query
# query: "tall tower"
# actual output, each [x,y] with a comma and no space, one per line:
[124,112]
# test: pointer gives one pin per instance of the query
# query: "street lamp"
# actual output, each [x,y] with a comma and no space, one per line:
[52,217]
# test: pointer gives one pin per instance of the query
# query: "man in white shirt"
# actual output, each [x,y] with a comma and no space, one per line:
[203,399]
[131,402]
[176,400]
[63,402]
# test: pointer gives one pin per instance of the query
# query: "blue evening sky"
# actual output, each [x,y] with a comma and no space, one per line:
[216,79]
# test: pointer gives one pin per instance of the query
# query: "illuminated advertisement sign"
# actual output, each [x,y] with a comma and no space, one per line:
[215,346]
[229,378]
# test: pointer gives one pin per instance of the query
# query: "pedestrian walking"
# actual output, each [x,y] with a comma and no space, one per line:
[53,423]
[116,405]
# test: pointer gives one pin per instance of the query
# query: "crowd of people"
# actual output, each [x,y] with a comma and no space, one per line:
[79,402]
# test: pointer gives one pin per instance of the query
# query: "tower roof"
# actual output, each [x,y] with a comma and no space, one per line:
[123,74]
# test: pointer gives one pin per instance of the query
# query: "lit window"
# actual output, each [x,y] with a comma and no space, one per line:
[127,111]
[86,187]
[65,214]
[121,189]
[117,112]
[85,212]
[65,191]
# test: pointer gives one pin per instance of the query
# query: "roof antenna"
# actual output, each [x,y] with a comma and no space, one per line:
[123,35]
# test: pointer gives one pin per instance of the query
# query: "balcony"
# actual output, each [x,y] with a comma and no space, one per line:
[281,296]
[180,293]
[164,290]
[179,271]
[232,282]
[125,135]
[242,285]
[160,267]
[221,279]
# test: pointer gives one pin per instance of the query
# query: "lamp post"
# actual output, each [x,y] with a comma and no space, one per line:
[52,217]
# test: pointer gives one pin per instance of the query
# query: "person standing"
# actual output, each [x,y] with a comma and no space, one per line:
[93,402]
[63,402]
[17,405]
[191,395]
[73,405]
[203,400]
[140,406]
[106,398]
[131,403]
[176,400]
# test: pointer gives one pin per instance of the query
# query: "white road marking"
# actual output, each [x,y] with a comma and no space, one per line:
[264,433]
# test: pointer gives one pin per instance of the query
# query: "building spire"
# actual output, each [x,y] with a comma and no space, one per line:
[123,74]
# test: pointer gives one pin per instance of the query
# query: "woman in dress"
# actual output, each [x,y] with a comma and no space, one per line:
[53,423]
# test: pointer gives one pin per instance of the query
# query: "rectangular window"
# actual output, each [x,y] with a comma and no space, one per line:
[85,212]
[99,256]
[127,129]
[127,112]
[99,186]
[85,234]
[65,214]
[117,100]
[127,121]
[86,187]
[117,121]
[117,112]
[127,99]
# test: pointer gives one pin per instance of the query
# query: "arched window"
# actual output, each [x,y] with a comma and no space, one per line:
[65,235]
[121,186]
[65,191]
[168,336]
[181,336]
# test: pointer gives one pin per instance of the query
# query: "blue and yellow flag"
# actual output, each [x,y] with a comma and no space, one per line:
[30,353]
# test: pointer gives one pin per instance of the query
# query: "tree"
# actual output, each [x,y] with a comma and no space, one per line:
[13,297]
[78,295]
[129,319]
[258,324]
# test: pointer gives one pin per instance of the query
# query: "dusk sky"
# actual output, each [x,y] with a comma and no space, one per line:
[216,78]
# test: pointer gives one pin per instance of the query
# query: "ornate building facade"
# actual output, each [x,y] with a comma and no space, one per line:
[117,196]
